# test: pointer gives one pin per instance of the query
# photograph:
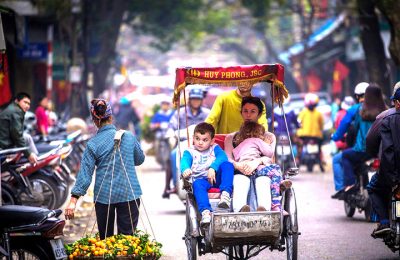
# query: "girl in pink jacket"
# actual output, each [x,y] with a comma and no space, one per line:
[253,143]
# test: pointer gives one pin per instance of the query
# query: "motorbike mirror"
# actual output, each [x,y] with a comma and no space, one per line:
[292,171]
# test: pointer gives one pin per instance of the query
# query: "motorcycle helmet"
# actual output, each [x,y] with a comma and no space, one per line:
[311,99]
[196,93]
[360,88]
[347,102]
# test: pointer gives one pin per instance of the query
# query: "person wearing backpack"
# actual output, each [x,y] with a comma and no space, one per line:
[361,115]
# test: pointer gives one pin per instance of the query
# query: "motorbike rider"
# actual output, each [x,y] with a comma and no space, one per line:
[195,114]
[311,124]
[388,176]
[340,145]
[362,115]
[12,126]
[159,125]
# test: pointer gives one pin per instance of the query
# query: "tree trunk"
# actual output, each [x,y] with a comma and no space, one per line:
[105,21]
[372,43]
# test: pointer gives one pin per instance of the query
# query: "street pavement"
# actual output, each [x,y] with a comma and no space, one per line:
[326,233]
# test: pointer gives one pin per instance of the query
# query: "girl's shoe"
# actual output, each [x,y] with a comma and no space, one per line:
[245,208]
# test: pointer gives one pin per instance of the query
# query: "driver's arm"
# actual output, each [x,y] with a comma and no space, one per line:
[263,119]
[214,116]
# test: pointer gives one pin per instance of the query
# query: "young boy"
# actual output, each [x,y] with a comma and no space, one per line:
[209,166]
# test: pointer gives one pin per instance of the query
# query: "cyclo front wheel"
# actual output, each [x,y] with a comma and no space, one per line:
[190,241]
[291,224]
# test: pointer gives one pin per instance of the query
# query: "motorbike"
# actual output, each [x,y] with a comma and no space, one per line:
[311,154]
[357,197]
[32,185]
[162,144]
[392,239]
[284,152]
[31,233]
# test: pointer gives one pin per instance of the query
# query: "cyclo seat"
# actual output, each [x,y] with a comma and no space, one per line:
[215,193]
[17,215]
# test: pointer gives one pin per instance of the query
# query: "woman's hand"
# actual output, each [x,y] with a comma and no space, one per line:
[250,166]
[70,209]
[187,173]
[211,176]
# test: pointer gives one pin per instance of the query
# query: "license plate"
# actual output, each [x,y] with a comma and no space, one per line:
[312,148]
[397,209]
[284,151]
[58,249]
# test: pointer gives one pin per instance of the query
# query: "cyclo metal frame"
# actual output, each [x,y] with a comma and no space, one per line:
[239,235]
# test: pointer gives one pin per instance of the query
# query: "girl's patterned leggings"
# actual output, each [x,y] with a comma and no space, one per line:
[273,171]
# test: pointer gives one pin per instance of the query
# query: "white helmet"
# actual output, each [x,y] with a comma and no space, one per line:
[360,88]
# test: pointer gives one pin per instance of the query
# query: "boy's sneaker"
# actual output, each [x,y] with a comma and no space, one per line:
[205,218]
[225,201]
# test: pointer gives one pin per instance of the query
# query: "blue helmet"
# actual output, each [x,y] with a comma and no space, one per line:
[196,93]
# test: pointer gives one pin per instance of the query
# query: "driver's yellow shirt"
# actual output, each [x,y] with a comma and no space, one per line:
[225,113]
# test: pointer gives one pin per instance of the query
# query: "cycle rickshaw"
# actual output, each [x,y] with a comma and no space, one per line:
[239,235]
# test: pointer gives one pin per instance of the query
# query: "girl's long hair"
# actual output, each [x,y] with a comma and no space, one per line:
[249,129]
[373,103]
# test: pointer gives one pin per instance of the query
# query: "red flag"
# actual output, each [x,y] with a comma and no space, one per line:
[314,82]
[339,74]
[5,90]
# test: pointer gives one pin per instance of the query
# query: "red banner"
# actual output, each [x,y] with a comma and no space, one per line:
[229,76]
[5,90]
[339,74]
[314,82]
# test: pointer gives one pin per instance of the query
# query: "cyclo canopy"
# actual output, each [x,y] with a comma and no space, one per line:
[233,76]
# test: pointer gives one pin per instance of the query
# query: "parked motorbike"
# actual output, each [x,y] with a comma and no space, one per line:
[32,185]
[357,197]
[311,154]
[31,233]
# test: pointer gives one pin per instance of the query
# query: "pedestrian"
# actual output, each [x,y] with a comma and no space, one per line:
[117,189]
[12,126]
[225,112]
[127,115]
[207,163]
[42,118]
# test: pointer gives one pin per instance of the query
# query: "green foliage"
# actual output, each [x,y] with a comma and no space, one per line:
[147,133]
[173,21]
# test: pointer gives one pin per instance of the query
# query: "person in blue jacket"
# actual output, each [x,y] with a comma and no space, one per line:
[117,190]
[208,164]
[361,115]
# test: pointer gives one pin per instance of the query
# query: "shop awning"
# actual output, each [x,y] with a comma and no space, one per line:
[318,35]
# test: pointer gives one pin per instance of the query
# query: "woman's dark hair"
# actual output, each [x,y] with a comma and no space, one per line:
[100,111]
[373,103]
[204,128]
[255,101]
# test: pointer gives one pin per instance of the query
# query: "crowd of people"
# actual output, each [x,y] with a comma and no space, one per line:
[364,128]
